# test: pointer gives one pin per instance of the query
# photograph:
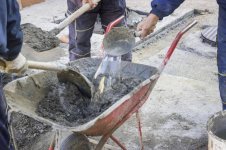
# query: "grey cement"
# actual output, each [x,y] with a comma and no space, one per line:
[28,133]
[181,62]
[194,44]
[176,143]
[65,104]
[38,39]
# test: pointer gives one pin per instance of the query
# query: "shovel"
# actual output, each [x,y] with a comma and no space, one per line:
[86,7]
[49,37]
[65,74]
[119,41]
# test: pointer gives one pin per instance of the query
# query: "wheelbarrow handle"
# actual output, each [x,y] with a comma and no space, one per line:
[113,24]
[46,66]
[174,44]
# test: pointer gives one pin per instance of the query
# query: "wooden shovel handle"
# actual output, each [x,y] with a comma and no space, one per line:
[46,66]
[76,14]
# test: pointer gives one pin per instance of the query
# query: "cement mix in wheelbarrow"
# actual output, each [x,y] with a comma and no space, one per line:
[66,105]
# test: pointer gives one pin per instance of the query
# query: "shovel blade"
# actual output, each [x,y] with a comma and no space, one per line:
[119,41]
[83,84]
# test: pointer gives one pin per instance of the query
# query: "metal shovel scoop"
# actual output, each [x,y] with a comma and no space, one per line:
[119,41]
[65,74]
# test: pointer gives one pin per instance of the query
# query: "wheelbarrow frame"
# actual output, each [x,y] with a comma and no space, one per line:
[141,95]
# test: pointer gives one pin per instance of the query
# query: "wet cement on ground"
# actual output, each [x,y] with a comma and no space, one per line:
[27,131]
[66,105]
[38,39]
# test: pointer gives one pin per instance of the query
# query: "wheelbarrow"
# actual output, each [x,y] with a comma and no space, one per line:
[23,95]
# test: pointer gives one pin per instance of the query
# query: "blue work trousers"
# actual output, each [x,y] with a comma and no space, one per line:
[81,31]
[4,133]
[221,55]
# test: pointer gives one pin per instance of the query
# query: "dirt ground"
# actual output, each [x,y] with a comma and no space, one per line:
[186,95]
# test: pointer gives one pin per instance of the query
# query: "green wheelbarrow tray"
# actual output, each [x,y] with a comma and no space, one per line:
[24,94]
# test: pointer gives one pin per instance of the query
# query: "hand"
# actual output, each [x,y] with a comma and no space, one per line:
[18,65]
[92,4]
[148,25]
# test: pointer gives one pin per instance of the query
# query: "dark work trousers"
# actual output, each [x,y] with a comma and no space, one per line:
[81,31]
[4,133]
[221,55]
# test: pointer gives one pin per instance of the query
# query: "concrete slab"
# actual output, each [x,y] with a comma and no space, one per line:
[187,64]
[193,43]
[175,116]
[42,15]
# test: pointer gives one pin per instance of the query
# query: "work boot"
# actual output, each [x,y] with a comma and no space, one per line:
[127,57]
[73,56]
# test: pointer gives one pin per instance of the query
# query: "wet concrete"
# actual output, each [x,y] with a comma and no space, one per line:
[41,96]
[27,132]
[66,105]
[38,39]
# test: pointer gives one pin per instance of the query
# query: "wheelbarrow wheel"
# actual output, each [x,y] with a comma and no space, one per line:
[75,141]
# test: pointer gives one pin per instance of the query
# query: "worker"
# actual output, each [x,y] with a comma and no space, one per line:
[81,31]
[11,60]
[163,8]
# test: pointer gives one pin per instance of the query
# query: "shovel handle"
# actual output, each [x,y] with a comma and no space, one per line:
[45,66]
[86,7]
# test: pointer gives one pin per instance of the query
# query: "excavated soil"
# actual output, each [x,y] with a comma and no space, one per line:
[38,39]
[66,105]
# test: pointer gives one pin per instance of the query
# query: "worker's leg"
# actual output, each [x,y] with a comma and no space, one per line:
[4,134]
[221,57]
[72,6]
[110,11]
[80,44]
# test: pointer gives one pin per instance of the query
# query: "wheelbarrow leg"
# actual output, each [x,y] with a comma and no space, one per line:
[102,141]
[105,137]
[126,117]
[139,130]
[117,142]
